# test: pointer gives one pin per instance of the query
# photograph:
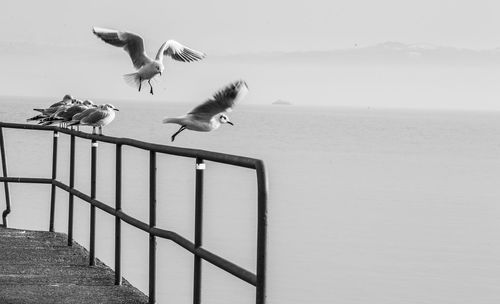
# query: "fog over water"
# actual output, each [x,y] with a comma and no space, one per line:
[366,205]
[383,169]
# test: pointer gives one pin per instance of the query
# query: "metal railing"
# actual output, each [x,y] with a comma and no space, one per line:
[258,279]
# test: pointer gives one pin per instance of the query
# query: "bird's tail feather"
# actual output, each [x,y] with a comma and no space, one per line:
[171,120]
[37,117]
[50,122]
[132,80]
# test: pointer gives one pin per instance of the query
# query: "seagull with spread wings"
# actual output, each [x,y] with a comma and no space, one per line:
[147,68]
[209,115]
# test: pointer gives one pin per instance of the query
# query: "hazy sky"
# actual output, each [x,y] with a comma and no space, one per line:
[47,49]
[229,26]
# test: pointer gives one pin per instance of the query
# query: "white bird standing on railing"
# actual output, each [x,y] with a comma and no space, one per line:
[45,113]
[66,114]
[147,68]
[66,99]
[209,115]
[98,117]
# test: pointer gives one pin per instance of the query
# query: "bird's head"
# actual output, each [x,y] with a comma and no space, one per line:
[67,98]
[158,66]
[88,103]
[224,119]
[109,106]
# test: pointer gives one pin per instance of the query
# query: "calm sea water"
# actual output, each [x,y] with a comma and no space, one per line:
[366,205]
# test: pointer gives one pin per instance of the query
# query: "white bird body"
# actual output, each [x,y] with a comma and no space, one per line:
[209,115]
[192,123]
[147,68]
[150,70]
[75,120]
[99,117]
[108,117]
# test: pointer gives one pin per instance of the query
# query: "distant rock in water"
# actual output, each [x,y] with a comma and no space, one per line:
[280,102]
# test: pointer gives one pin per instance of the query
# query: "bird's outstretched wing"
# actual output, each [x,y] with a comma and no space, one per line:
[179,52]
[222,101]
[130,42]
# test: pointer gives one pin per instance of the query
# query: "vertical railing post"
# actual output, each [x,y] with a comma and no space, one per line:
[92,196]
[71,186]
[152,223]
[5,184]
[198,229]
[53,188]
[118,207]
[261,232]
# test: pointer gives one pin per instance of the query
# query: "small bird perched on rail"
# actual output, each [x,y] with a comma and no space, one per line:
[66,114]
[147,68]
[66,99]
[209,115]
[75,120]
[99,117]
[45,113]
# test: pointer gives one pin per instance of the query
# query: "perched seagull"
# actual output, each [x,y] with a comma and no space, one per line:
[45,113]
[209,115]
[66,115]
[147,68]
[49,113]
[99,117]
[66,99]
[75,120]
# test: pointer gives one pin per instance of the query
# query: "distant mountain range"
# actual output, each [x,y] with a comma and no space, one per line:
[390,52]
[383,53]
[281,102]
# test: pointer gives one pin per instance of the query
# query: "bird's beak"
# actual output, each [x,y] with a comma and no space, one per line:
[160,73]
[230,123]
[116,109]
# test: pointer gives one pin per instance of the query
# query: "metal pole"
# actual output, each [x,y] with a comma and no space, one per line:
[261,233]
[152,223]
[198,229]
[118,207]
[92,207]
[71,185]
[5,184]
[54,174]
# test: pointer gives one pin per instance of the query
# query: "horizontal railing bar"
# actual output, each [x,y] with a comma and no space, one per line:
[208,256]
[27,180]
[222,263]
[226,265]
[133,221]
[229,159]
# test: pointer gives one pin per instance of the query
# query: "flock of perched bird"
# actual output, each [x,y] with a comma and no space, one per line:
[208,116]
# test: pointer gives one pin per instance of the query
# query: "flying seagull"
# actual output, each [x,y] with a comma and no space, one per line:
[147,68]
[209,115]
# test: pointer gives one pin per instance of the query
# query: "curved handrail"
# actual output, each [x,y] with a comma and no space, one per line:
[228,266]
[224,158]
[258,280]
